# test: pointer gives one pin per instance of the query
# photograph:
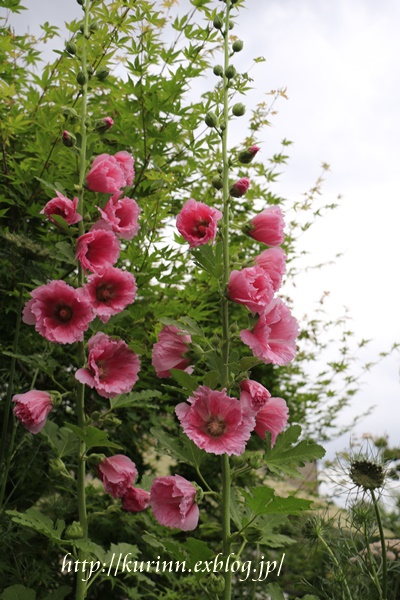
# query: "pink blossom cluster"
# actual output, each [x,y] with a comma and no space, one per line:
[62,314]
[273,338]
[172,498]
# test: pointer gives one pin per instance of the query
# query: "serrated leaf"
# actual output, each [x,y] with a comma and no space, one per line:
[127,400]
[286,457]
[197,550]
[188,382]
[211,379]
[186,324]
[248,362]
[18,592]
[93,437]
[66,251]
[258,498]
[60,438]
[181,448]
[287,506]
[36,520]
[275,591]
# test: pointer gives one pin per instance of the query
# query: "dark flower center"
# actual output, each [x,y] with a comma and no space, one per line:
[105,292]
[215,427]
[200,229]
[367,474]
[64,313]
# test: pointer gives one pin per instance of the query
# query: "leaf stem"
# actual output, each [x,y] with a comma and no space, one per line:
[383,545]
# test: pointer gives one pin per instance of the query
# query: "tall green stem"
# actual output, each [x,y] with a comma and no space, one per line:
[339,568]
[81,586]
[6,456]
[383,545]
[226,474]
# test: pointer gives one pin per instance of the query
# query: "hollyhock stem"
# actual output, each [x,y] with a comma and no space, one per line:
[226,473]
[81,586]
[8,402]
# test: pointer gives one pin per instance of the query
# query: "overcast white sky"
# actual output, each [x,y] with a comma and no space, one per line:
[340,64]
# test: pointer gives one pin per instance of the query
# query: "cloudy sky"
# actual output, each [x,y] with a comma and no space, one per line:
[340,64]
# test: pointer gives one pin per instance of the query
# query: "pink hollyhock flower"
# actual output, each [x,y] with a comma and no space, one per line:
[110,292]
[121,216]
[215,422]
[125,161]
[239,188]
[272,417]
[169,351]
[109,174]
[273,339]
[32,409]
[273,261]
[117,474]
[97,250]
[112,368]
[251,287]
[172,500]
[253,396]
[197,222]
[64,207]
[267,227]
[59,312]
[135,499]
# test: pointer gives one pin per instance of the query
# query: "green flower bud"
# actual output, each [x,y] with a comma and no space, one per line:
[68,139]
[111,421]
[215,583]
[246,156]
[96,415]
[58,469]
[80,2]
[199,493]
[220,169]
[211,119]
[82,28]
[218,70]
[234,328]
[70,114]
[71,47]
[230,72]
[238,109]
[93,26]
[218,23]
[95,459]
[102,73]
[73,531]
[231,24]
[253,534]
[237,46]
[90,70]
[81,78]
[217,182]
[256,460]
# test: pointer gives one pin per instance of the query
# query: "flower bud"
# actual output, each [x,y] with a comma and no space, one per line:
[102,73]
[199,492]
[111,421]
[230,72]
[237,46]
[218,70]
[68,139]
[95,459]
[253,534]
[231,24]
[239,188]
[58,469]
[238,109]
[90,70]
[81,78]
[74,531]
[215,583]
[211,119]
[70,114]
[217,182]
[218,23]
[246,156]
[82,28]
[93,26]
[256,460]
[220,169]
[80,2]
[105,124]
[71,47]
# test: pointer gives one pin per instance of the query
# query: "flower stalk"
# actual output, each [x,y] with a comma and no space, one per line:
[226,473]
[81,586]
[383,545]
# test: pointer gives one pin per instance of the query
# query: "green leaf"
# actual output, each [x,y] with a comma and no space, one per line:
[186,324]
[258,499]
[211,379]
[197,550]
[59,594]
[65,250]
[275,591]
[128,400]
[36,520]
[248,362]
[286,457]
[181,448]
[287,506]
[188,382]
[60,438]
[93,437]
[18,592]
